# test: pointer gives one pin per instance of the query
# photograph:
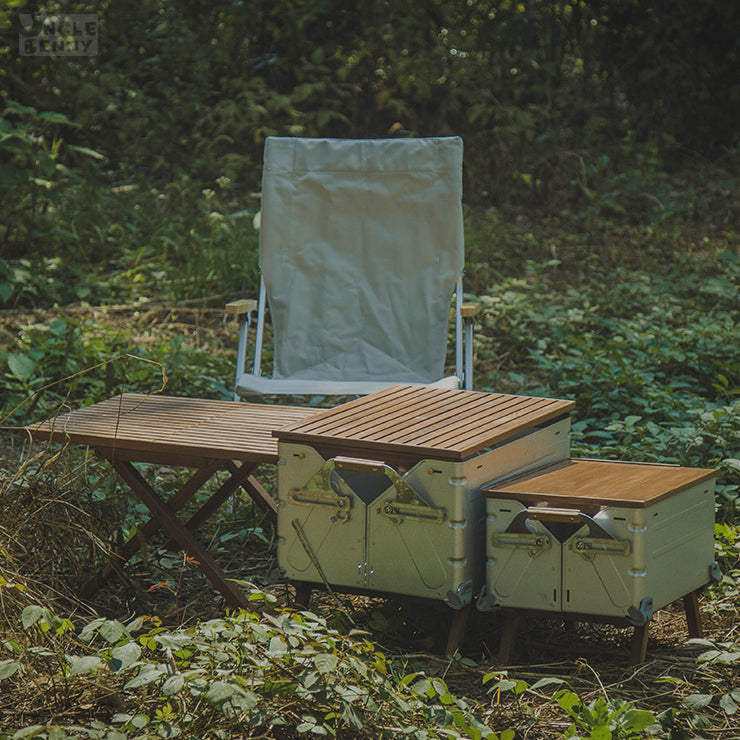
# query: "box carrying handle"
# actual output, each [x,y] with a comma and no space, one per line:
[547,514]
[357,465]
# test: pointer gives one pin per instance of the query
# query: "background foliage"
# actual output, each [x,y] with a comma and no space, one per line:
[577,109]
[601,172]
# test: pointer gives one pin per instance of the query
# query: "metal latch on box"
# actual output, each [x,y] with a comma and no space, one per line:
[318,498]
[598,541]
[595,540]
[342,479]
[521,536]
[535,544]
[325,490]
[396,512]
[527,531]
[590,546]
[407,503]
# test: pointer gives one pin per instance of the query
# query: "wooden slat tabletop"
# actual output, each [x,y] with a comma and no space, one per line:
[572,483]
[132,422]
[444,424]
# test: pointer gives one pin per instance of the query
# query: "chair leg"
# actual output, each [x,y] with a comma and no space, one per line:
[693,615]
[457,630]
[508,639]
[639,644]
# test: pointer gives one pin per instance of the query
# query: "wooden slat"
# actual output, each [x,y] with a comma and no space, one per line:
[403,420]
[511,425]
[327,421]
[387,420]
[442,424]
[159,425]
[447,424]
[449,427]
[607,482]
[418,419]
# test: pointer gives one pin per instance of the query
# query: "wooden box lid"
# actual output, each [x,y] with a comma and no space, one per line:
[423,421]
[574,483]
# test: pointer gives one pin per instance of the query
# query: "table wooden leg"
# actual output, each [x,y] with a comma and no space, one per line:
[261,497]
[693,615]
[639,644]
[180,533]
[508,639]
[217,498]
[146,530]
[457,630]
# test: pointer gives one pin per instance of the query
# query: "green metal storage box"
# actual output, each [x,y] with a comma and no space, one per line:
[383,494]
[599,537]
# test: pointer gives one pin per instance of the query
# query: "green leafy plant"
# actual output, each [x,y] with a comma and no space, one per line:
[31,174]
[44,365]
[604,718]
[246,673]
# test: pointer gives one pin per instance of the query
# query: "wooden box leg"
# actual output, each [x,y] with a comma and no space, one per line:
[639,644]
[508,639]
[693,615]
[302,594]
[457,630]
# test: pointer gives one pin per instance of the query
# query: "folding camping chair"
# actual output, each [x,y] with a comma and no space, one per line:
[361,250]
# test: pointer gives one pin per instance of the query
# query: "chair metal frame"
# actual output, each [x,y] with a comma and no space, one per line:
[243,311]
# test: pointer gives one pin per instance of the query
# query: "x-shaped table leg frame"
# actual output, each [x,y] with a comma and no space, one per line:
[164,516]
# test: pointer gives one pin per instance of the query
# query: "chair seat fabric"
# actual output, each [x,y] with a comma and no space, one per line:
[249,385]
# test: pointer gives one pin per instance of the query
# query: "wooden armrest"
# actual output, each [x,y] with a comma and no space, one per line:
[470,310]
[241,307]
